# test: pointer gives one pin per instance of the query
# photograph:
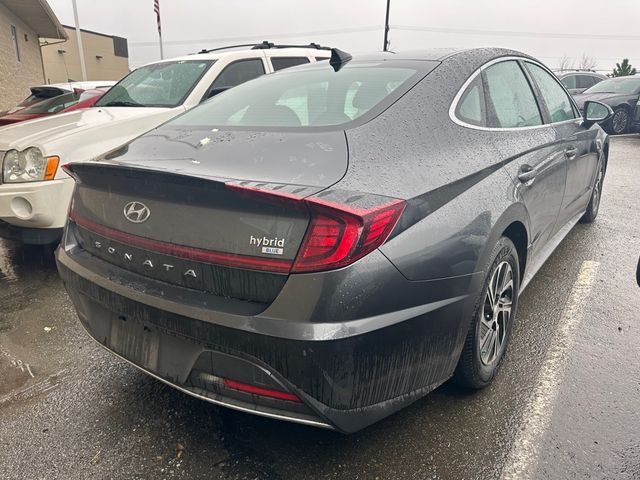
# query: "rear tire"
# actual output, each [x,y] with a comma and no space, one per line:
[596,194]
[493,317]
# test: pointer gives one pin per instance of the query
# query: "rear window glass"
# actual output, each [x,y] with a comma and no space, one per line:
[52,105]
[314,97]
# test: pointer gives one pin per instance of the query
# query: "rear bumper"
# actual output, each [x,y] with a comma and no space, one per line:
[345,380]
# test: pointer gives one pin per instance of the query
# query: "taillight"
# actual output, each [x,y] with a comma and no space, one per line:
[338,235]
[344,226]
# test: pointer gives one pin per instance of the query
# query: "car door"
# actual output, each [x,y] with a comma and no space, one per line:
[578,142]
[527,146]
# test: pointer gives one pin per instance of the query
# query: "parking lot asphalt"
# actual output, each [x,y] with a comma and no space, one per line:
[565,405]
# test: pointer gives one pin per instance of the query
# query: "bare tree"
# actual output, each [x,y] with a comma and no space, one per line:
[565,64]
[587,62]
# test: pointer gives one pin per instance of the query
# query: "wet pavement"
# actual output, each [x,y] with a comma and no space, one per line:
[565,405]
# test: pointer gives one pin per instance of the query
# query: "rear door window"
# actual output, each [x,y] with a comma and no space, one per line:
[236,73]
[555,97]
[280,63]
[510,98]
[569,81]
[586,81]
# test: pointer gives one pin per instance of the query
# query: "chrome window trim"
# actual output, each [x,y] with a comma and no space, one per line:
[472,77]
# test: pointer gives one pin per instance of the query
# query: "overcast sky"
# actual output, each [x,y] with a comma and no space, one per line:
[547,29]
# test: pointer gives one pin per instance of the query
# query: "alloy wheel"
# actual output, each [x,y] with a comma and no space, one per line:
[619,121]
[496,314]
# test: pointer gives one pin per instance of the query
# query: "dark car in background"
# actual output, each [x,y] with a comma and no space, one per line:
[622,94]
[328,244]
[579,80]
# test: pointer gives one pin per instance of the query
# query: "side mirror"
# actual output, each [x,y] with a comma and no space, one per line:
[595,112]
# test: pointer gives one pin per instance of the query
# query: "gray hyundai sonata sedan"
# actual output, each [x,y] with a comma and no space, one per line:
[328,244]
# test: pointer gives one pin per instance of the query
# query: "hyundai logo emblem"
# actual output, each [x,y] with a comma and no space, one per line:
[136,212]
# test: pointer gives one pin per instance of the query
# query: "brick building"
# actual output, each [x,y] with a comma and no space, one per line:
[22,23]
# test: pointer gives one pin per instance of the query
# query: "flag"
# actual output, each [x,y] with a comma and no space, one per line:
[156,8]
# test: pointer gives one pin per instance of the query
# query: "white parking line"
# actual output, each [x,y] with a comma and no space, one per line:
[525,451]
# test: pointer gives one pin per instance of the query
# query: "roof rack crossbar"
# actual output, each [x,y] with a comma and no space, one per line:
[265,45]
[268,45]
[209,50]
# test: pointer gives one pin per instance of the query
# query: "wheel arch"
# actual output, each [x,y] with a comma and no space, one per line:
[513,224]
[623,105]
[517,233]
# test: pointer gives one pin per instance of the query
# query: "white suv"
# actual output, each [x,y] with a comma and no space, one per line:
[35,192]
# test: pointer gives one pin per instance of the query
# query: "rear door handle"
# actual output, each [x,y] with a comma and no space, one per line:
[527,173]
[571,152]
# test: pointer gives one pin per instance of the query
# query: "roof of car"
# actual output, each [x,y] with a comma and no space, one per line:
[431,54]
[214,54]
[580,72]
[441,54]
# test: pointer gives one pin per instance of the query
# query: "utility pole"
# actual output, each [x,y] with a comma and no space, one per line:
[79,37]
[385,47]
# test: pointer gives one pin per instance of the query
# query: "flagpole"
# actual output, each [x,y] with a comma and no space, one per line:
[156,9]
[83,67]
[385,45]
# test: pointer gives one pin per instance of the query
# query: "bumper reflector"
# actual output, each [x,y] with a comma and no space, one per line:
[263,392]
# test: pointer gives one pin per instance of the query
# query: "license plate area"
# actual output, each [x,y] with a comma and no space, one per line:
[135,341]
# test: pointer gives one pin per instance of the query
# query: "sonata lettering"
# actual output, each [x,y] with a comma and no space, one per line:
[147,262]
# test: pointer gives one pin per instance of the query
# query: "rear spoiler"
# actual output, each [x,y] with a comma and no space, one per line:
[48,92]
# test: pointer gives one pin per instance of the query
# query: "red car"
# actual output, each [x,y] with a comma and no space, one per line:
[60,104]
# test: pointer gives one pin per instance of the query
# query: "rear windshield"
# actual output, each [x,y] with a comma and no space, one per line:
[301,97]
[53,105]
[164,84]
[624,86]
[38,94]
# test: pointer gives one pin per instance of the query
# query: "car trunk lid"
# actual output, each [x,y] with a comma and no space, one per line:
[194,213]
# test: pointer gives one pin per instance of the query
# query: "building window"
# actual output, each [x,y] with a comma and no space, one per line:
[14,38]
[120,48]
